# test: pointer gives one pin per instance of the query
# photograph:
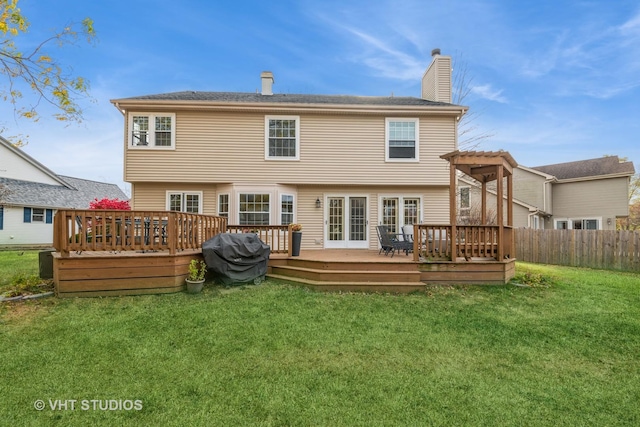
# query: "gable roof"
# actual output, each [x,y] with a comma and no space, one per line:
[33,162]
[70,193]
[76,196]
[591,168]
[244,97]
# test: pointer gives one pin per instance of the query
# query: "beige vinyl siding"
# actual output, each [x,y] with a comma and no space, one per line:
[153,196]
[224,147]
[436,83]
[435,208]
[606,198]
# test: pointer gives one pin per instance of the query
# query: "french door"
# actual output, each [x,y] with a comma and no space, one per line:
[346,222]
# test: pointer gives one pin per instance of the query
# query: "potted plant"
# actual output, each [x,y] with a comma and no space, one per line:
[195,278]
[296,238]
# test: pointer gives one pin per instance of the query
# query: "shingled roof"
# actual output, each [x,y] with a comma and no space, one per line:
[601,166]
[77,195]
[242,97]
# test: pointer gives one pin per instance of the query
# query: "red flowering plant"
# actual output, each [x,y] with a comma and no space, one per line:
[110,204]
[107,204]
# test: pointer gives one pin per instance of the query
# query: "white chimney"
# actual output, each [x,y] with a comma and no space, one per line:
[267,82]
[436,81]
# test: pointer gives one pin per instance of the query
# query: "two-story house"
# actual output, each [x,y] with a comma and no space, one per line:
[585,194]
[336,164]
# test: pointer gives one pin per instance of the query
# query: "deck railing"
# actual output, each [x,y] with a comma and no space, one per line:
[276,236]
[112,230]
[470,241]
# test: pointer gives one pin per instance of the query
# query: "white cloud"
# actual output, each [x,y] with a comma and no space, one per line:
[487,92]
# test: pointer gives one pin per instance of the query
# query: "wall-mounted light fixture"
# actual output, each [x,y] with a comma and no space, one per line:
[608,221]
[318,203]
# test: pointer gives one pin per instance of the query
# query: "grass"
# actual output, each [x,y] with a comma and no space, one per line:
[562,352]
[19,274]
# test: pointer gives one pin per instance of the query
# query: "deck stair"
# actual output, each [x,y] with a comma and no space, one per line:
[383,276]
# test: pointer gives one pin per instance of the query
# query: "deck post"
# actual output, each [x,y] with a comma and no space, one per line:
[452,210]
[500,207]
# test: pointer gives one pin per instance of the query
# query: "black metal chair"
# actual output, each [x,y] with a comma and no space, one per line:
[390,243]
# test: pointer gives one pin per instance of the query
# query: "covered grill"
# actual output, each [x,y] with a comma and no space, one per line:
[236,258]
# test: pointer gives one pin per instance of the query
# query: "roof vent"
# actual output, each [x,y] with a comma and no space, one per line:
[267,82]
[435,52]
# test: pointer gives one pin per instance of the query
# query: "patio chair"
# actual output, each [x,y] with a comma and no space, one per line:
[390,242]
[407,233]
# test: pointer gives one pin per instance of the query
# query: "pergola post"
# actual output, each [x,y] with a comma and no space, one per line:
[453,208]
[500,213]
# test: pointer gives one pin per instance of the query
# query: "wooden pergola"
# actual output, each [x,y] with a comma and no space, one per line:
[484,167]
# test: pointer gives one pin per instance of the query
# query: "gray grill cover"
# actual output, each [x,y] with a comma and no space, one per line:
[236,258]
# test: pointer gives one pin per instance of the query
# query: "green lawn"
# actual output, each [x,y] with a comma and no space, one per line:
[564,352]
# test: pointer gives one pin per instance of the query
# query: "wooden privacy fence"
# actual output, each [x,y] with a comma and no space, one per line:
[111,230]
[602,249]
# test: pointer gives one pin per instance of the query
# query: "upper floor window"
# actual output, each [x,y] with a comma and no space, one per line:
[190,202]
[152,130]
[401,139]
[282,137]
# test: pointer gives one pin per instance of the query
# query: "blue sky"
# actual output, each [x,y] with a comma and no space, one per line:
[553,81]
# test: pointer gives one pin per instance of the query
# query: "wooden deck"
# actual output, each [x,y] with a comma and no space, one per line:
[89,274]
[366,270]
[106,273]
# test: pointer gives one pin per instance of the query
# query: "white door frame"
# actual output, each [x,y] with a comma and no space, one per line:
[346,243]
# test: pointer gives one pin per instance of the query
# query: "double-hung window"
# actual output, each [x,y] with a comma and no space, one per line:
[402,139]
[190,202]
[152,130]
[282,137]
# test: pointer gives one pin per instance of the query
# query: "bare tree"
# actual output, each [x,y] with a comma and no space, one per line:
[469,134]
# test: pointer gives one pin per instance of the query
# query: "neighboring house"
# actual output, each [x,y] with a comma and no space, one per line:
[586,194]
[339,165]
[30,194]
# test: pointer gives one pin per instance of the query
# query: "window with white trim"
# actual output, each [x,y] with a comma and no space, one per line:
[223,205]
[37,215]
[399,211]
[254,209]
[411,211]
[585,224]
[190,202]
[152,130]
[286,209]
[578,224]
[282,137]
[401,139]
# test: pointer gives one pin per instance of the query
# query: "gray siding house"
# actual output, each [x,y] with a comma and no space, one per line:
[586,194]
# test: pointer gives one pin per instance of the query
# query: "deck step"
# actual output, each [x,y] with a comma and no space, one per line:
[322,285]
[353,276]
